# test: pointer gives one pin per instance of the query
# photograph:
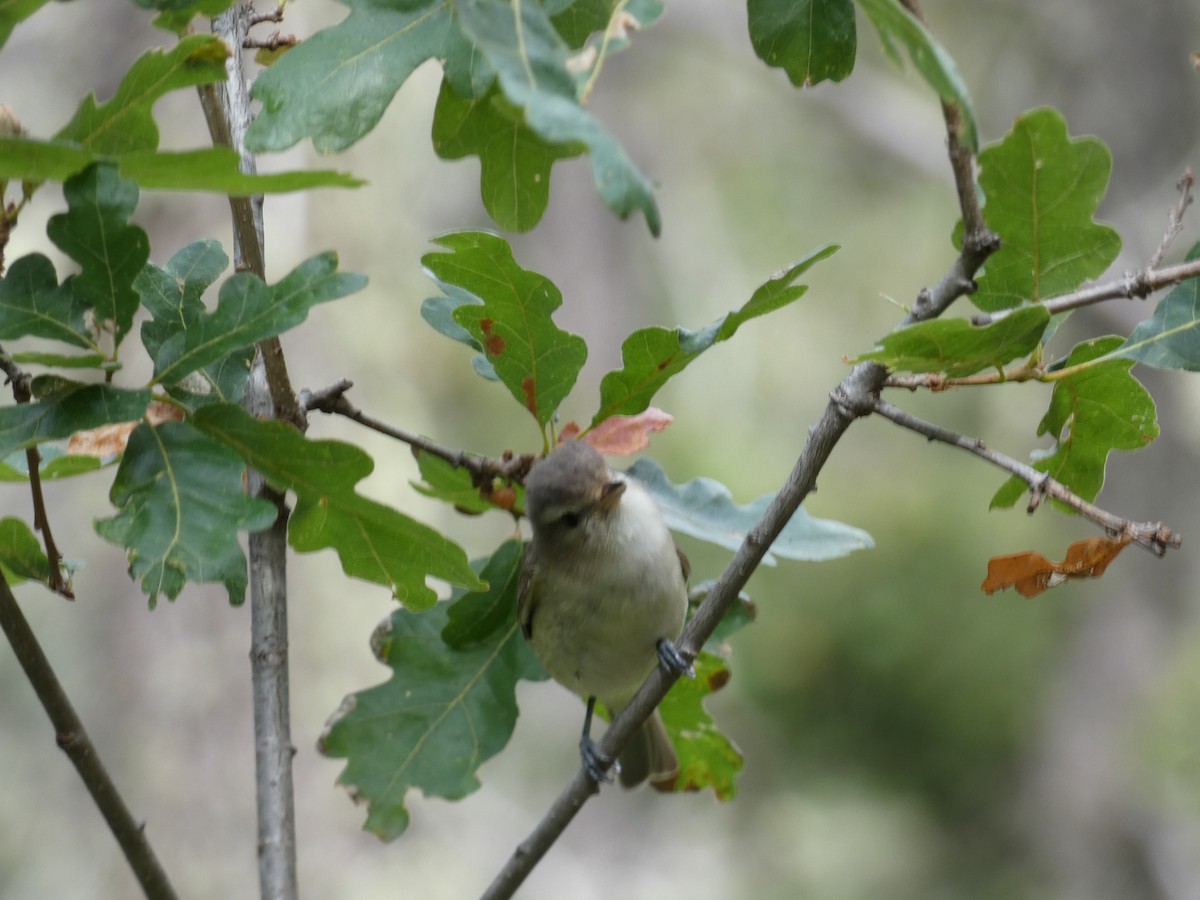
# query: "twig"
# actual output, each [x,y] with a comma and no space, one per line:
[1154,536]
[274,42]
[483,469]
[269,394]
[1132,285]
[1174,218]
[72,738]
[22,393]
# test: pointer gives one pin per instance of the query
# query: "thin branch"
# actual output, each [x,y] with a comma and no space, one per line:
[72,738]
[21,387]
[1174,218]
[484,470]
[1133,285]
[268,394]
[1154,536]
[1139,284]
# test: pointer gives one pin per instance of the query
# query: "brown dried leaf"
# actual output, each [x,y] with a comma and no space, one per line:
[1031,573]
[110,440]
[623,435]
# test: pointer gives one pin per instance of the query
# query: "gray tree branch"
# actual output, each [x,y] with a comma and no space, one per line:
[268,395]
[72,738]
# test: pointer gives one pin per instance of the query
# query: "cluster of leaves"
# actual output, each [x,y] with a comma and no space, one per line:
[1043,188]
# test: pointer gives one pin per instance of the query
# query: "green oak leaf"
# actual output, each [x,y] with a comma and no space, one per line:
[514,160]
[811,40]
[208,169]
[652,356]
[507,310]
[707,758]
[475,616]
[443,712]
[182,505]
[957,348]
[334,87]
[530,60]
[172,295]
[248,310]
[125,124]
[95,232]
[69,408]
[1042,189]
[1170,339]
[704,509]
[33,303]
[896,25]
[1095,409]
[374,542]
[21,555]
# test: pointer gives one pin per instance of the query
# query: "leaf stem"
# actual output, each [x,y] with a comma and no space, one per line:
[618,12]
[72,738]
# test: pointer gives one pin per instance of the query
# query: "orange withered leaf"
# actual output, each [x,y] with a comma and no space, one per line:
[1031,573]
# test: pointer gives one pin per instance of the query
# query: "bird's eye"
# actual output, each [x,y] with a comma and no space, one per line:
[570,520]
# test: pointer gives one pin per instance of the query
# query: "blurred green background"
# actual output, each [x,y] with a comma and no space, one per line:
[905,735]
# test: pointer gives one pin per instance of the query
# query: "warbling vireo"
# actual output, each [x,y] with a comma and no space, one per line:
[603,593]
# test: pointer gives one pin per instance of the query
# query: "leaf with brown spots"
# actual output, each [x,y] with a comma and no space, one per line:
[1031,573]
[505,311]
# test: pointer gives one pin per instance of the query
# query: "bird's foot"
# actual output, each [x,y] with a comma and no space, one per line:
[673,661]
[595,763]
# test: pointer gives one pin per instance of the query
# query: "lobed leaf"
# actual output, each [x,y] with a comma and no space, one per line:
[530,60]
[334,87]
[507,311]
[958,348]
[1169,339]
[707,758]
[172,295]
[248,310]
[444,711]
[652,356]
[896,24]
[514,160]
[1097,407]
[53,464]
[95,232]
[704,509]
[444,482]
[182,505]
[811,40]
[125,124]
[177,15]
[374,542]
[1042,189]
[33,303]
[475,616]
[70,408]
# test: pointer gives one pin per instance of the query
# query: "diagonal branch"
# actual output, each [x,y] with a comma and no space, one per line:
[72,738]
[1154,536]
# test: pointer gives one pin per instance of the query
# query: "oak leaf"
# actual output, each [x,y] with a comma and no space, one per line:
[1031,573]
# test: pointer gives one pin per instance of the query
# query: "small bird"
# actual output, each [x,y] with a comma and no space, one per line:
[603,593]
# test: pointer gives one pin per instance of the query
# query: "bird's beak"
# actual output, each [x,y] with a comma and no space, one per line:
[610,495]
